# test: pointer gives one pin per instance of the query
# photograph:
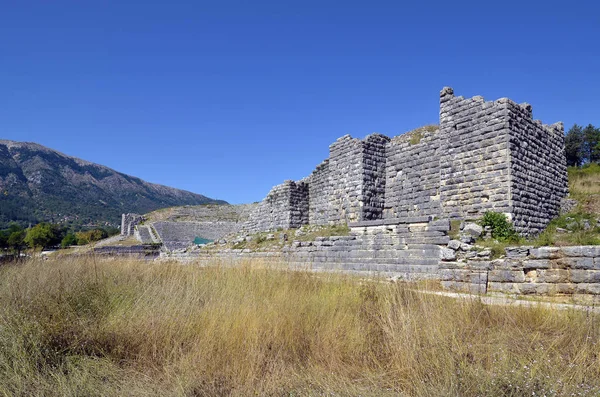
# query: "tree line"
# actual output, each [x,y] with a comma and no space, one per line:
[16,238]
[582,145]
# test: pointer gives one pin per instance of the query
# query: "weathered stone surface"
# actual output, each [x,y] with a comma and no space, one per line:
[129,222]
[485,156]
[447,254]
[473,229]
[585,276]
[545,253]
[517,252]
[574,263]
[586,250]
[553,276]
[506,276]
[454,244]
[587,288]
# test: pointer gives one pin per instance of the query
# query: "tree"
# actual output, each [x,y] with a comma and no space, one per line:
[591,146]
[40,236]
[16,242]
[574,142]
[90,236]
[68,240]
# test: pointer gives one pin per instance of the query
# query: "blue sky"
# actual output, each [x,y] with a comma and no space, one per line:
[229,98]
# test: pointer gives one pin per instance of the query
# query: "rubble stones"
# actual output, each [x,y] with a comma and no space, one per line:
[473,229]
[454,244]
[447,254]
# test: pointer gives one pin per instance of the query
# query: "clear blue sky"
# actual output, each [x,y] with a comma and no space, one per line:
[229,98]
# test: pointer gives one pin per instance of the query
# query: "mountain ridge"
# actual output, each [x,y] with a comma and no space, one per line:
[38,183]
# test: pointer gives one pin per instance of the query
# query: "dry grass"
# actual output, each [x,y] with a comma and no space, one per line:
[584,186]
[115,327]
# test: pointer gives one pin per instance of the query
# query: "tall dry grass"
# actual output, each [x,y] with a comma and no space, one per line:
[80,327]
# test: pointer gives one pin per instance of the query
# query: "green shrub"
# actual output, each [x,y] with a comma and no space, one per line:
[502,229]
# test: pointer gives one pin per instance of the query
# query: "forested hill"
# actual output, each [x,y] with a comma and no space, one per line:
[41,184]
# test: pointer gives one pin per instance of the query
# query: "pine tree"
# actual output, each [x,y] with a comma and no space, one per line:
[574,146]
[591,146]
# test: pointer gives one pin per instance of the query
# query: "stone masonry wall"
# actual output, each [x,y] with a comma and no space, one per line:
[286,206]
[486,156]
[374,176]
[572,271]
[538,169]
[345,170]
[474,156]
[319,192]
[412,175]
[128,223]
[406,248]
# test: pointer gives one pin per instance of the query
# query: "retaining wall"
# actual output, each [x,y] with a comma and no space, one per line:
[567,271]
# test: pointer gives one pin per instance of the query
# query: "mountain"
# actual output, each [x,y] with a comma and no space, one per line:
[41,184]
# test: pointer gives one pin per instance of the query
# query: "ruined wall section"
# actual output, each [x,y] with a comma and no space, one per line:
[319,192]
[374,176]
[474,156]
[346,179]
[298,204]
[286,206]
[413,175]
[128,223]
[538,169]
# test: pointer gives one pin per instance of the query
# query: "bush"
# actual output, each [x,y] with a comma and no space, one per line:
[502,229]
[68,240]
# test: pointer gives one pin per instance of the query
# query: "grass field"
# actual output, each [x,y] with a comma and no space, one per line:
[85,327]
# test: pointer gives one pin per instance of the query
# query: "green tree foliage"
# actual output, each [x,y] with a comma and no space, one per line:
[582,145]
[16,241]
[574,146]
[68,240]
[90,236]
[591,146]
[42,235]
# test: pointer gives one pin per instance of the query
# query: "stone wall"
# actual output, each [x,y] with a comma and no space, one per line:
[538,170]
[346,179]
[406,248]
[474,156]
[570,271]
[486,156]
[128,223]
[374,176]
[180,235]
[286,206]
[412,175]
[320,211]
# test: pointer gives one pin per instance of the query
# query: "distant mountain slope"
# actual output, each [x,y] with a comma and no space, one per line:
[38,183]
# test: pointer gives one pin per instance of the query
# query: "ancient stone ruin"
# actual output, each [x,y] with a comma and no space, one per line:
[129,222]
[399,195]
[485,156]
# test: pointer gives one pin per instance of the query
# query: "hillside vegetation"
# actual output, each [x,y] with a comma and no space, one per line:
[85,327]
[40,184]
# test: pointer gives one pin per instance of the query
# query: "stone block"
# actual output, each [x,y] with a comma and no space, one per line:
[573,263]
[454,244]
[552,276]
[517,252]
[536,264]
[588,288]
[447,254]
[585,276]
[472,229]
[584,250]
[506,276]
[509,288]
